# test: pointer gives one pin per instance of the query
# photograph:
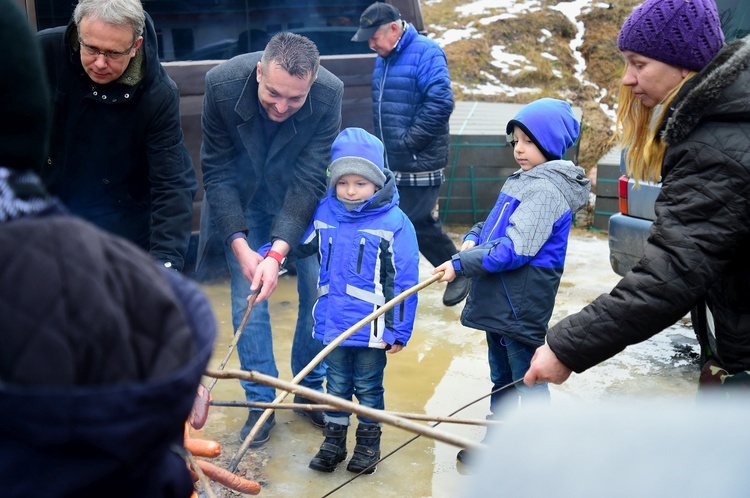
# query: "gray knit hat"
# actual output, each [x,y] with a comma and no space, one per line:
[356,152]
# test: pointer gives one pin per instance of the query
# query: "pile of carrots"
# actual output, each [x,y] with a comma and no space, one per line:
[206,448]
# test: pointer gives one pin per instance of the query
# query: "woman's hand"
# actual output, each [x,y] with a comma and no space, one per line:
[545,367]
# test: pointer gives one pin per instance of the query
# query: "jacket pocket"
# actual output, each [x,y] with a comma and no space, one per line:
[329,253]
[360,254]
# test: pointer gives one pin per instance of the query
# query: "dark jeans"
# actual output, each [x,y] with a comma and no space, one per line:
[509,361]
[355,371]
[255,347]
[434,243]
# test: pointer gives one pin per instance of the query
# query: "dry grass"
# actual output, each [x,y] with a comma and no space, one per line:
[470,61]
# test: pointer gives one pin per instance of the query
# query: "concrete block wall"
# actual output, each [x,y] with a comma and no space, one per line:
[480,160]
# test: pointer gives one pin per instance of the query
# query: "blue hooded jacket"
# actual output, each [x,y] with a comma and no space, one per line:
[519,255]
[367,257]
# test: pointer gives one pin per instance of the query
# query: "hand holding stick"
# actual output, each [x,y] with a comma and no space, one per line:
[199,413]
[320,356]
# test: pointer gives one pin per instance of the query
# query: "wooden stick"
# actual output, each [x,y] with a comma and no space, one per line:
[321,408]
[204,482]
[349,406]
[319,357]
[237,335]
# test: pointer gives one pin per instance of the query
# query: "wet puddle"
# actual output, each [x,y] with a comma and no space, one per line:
[414,383]
[443,369]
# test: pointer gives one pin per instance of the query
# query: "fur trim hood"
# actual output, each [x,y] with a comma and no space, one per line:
[718,92]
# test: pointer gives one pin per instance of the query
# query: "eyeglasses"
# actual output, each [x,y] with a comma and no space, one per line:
[112,55]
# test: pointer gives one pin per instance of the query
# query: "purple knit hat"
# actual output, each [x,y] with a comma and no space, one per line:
[682,33]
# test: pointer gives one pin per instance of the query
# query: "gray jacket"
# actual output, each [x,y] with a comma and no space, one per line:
[519,255]
[285,177]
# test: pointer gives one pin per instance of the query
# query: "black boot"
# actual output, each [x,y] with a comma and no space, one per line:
[469,457]
[367,451]
[456,291]
[315,417]
[333,449]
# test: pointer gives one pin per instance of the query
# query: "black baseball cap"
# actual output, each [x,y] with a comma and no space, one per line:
[373,17]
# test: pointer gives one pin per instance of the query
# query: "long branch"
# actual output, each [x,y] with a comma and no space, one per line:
[343,404]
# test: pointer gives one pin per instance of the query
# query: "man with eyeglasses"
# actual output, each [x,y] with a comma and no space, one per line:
[117,156]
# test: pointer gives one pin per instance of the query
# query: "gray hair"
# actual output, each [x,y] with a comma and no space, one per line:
[121,13]
[295,54]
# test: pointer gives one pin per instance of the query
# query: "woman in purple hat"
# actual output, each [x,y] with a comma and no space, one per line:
[684,113]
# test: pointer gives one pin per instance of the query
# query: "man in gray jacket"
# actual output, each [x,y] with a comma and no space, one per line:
[269,119]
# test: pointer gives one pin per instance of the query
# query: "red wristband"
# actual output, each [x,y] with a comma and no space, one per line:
[275,255]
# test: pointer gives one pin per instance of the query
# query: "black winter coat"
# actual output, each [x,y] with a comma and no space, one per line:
[699,244]
[101,354]
[117,156]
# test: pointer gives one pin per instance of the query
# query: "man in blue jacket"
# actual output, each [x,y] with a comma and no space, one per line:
[269,119]
[412,103]
[117,156]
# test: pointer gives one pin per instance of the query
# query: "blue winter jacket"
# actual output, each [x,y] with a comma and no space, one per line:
[412,103]
[367,257]
[519,255]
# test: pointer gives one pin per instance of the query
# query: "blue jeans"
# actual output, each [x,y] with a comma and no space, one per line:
[355,371]
[255,347]
[509,361]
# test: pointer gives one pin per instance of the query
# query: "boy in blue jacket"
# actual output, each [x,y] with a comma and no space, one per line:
[368,255]
[516,257]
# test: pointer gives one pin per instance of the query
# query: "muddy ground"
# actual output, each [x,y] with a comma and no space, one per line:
[443,368]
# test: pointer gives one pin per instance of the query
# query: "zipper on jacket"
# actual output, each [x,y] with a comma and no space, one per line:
[499,217]
[361,254]
[380,114]
[330,250]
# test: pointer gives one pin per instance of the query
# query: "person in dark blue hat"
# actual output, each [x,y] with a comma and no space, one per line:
[683,110]
[102,348]
[515,258]
[368,255]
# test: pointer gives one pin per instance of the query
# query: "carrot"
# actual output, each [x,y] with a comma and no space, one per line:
[203,447]
[228,479]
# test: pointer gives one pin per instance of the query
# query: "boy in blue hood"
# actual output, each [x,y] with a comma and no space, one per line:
[368,255]
[516,257]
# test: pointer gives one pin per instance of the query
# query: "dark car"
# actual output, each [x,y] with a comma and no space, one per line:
[629,229]
[196,35]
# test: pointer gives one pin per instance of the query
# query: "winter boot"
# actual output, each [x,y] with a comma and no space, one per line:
[367,451]
[333,449]
[467,456]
